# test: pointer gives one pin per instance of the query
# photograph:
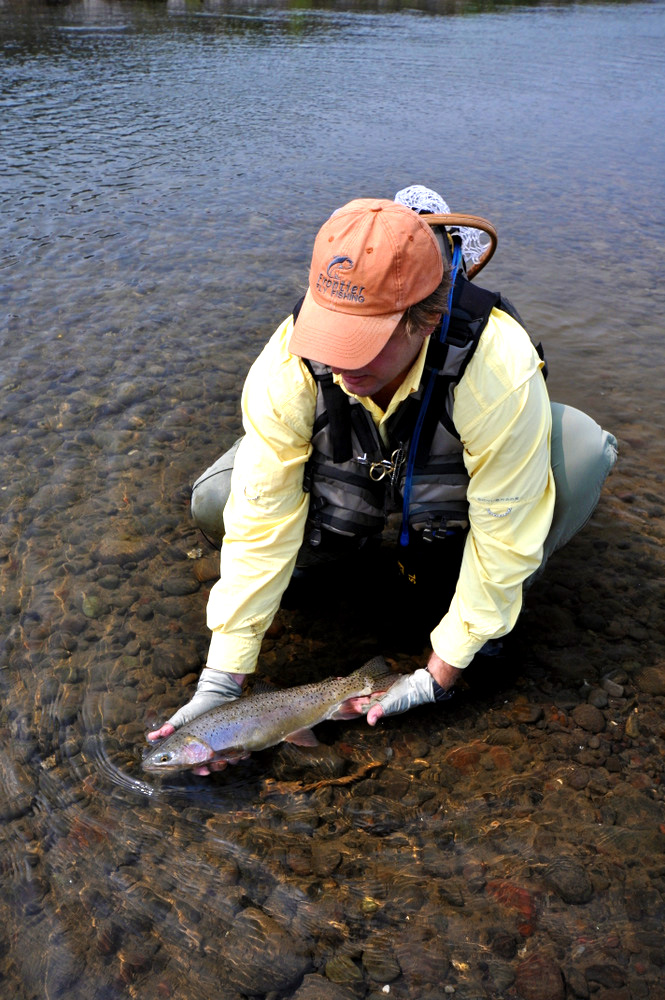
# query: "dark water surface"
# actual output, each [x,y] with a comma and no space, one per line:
[164,169]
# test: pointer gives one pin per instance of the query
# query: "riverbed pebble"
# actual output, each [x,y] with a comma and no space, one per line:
[589,717]
[261,956]
[651,680]
[379,959]
[569,880]
[539,977]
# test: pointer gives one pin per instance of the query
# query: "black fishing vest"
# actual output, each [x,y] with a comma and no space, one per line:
[355,481]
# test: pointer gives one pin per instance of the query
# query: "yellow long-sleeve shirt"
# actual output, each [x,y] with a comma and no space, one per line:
[502,414]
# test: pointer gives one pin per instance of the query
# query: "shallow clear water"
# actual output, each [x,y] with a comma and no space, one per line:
[165,167]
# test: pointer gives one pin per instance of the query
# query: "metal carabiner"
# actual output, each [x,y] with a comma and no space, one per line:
[386,466]
[378,470]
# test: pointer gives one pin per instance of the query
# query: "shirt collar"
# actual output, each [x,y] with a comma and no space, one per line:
[408,386]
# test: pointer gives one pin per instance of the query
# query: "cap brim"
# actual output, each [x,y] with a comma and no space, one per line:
[339,339]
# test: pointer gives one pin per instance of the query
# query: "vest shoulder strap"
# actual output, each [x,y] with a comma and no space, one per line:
[472,305]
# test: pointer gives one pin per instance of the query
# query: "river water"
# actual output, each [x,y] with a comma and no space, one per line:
[165,166]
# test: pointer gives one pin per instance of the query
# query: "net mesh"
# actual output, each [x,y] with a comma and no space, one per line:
[422,199]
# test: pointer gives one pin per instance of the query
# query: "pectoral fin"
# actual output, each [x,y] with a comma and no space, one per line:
[352,708]
[231,754]
[302,738]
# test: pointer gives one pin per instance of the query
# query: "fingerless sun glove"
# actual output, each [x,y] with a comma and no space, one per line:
[213,689]
[417,688]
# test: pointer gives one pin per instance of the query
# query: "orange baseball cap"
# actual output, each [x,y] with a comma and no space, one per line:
[372,259]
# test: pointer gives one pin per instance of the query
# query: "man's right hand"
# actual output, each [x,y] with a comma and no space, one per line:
[214,688]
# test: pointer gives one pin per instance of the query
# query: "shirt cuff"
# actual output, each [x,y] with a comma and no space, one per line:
[233,654]
[453,643]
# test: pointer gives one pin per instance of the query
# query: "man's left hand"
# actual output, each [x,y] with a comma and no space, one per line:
[415,689]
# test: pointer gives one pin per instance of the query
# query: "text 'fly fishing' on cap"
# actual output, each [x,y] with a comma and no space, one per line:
[372,260]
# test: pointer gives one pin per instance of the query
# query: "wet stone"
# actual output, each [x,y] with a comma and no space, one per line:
[325,858]
[295,763]
[632,727]
[124,550]
[261,956]
[93,606]
[342,969]
[379,959]
[207,569]
[48,690]
[176,664]
[614,689]
[499,974]
[598,698]
[177,586]
[579,778]
[375,814]
[63,971]
[423,962]
[299,860]
[589,718]
[73,624]
[577,984]
[116,710]
[68,705]
[569,880]
[314,987]
[526,713]
[502,943]
[635,810]
[651,680]
[410,894]
[321,918]
[539,978]
[608,976]
[137,957]
[169,607]
[18,787]
[392,784]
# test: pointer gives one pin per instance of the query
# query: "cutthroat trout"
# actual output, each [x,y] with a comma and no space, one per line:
[257,721]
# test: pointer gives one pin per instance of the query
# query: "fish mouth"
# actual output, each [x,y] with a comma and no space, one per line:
[178,752]
[167,761]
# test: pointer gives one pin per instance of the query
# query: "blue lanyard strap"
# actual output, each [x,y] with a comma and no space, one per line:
[413,448]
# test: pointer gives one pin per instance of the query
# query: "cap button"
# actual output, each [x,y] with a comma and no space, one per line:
[376,208]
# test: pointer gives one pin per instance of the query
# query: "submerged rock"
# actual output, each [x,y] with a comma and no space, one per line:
[261,956]
[539,977]
[379,960]
[569,880]
[651,680]
[589,718]
[314,987]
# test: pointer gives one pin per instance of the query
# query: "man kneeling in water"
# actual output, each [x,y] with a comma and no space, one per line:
[396,386]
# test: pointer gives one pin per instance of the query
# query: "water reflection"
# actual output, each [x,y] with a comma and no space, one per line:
[165,168]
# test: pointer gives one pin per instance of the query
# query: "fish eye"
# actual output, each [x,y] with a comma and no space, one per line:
[164,758]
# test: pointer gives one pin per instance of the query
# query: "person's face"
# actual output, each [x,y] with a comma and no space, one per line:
[388,368]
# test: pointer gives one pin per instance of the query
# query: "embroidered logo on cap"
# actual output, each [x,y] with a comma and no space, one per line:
[333,285]
[337,265]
